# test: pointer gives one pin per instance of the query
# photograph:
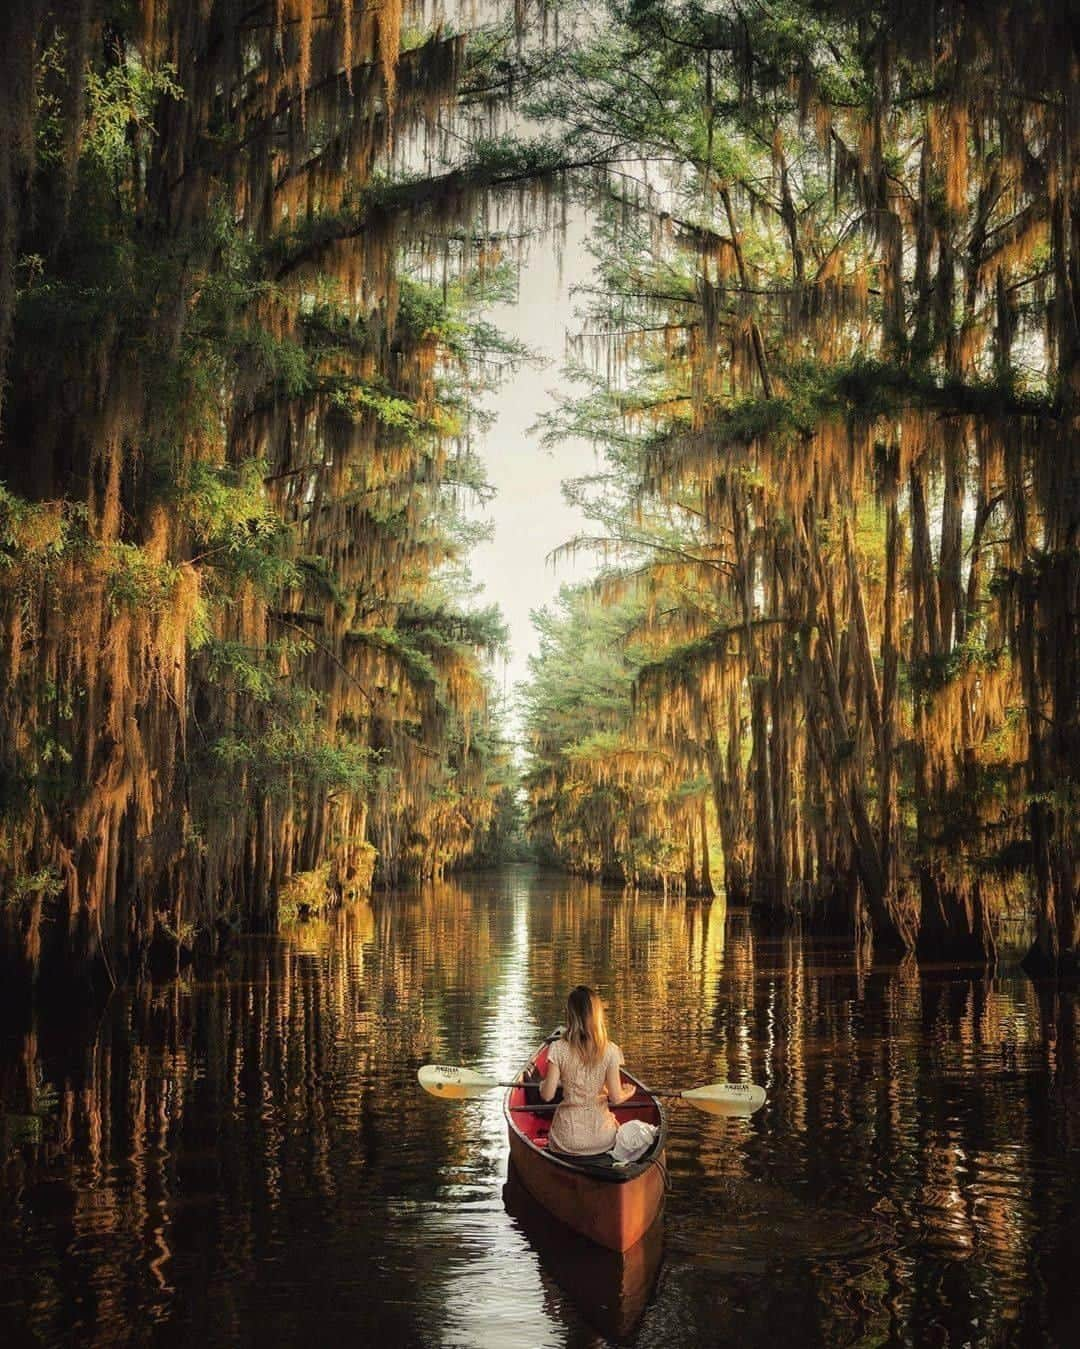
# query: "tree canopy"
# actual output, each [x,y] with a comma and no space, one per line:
[832,360]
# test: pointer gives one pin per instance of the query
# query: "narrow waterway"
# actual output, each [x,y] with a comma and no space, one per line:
[248,1160]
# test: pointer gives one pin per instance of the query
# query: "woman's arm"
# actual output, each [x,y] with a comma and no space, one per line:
[550,1084]
[617,1093]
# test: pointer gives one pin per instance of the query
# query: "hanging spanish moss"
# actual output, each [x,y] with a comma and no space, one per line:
[842,371]
[237,653]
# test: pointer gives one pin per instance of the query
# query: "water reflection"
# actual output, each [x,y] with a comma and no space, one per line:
[248,1159]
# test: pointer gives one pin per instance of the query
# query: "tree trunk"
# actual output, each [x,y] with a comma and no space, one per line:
[706,888]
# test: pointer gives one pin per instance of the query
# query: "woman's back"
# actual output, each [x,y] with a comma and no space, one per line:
[583,1123]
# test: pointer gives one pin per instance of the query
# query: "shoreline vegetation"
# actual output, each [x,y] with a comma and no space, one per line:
[831,368]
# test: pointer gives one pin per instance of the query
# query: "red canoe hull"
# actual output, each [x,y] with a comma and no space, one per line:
[614,1208]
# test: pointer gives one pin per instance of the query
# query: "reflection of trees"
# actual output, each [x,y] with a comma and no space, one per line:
[199,1120]
[211,1146]
[918,1098]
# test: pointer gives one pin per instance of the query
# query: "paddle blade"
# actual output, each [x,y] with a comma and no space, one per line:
[726,1098]
[454,1084]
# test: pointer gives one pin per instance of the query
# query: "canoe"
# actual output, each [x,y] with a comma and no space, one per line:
[612,1205]
[610,1289]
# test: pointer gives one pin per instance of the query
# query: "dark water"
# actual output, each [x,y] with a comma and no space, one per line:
[249,1161]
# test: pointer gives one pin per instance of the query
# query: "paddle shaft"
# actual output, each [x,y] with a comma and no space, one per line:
[623,1105]
[434,1088]
[717,1097]
[491,1086]
[553,1105]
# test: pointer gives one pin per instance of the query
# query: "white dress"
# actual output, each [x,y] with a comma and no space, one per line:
[583,1124]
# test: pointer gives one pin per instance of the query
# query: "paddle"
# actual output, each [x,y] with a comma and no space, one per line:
[717,1098]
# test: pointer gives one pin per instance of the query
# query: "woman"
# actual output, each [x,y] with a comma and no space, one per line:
[585,1063]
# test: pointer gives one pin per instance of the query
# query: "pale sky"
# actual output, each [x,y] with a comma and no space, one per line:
[528,512]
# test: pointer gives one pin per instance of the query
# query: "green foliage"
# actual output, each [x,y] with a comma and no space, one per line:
[306,894]
[34,532]
[45,882]
[605,796]
[236,526]
[257,672]
[121,98]
[287,756]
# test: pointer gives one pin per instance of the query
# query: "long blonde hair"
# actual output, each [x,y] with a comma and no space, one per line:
[586,1030]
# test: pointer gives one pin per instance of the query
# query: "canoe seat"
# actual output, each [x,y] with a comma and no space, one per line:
[603,1163]
[593,1161]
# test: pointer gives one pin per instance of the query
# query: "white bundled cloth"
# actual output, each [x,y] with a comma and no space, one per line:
[633,1140]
